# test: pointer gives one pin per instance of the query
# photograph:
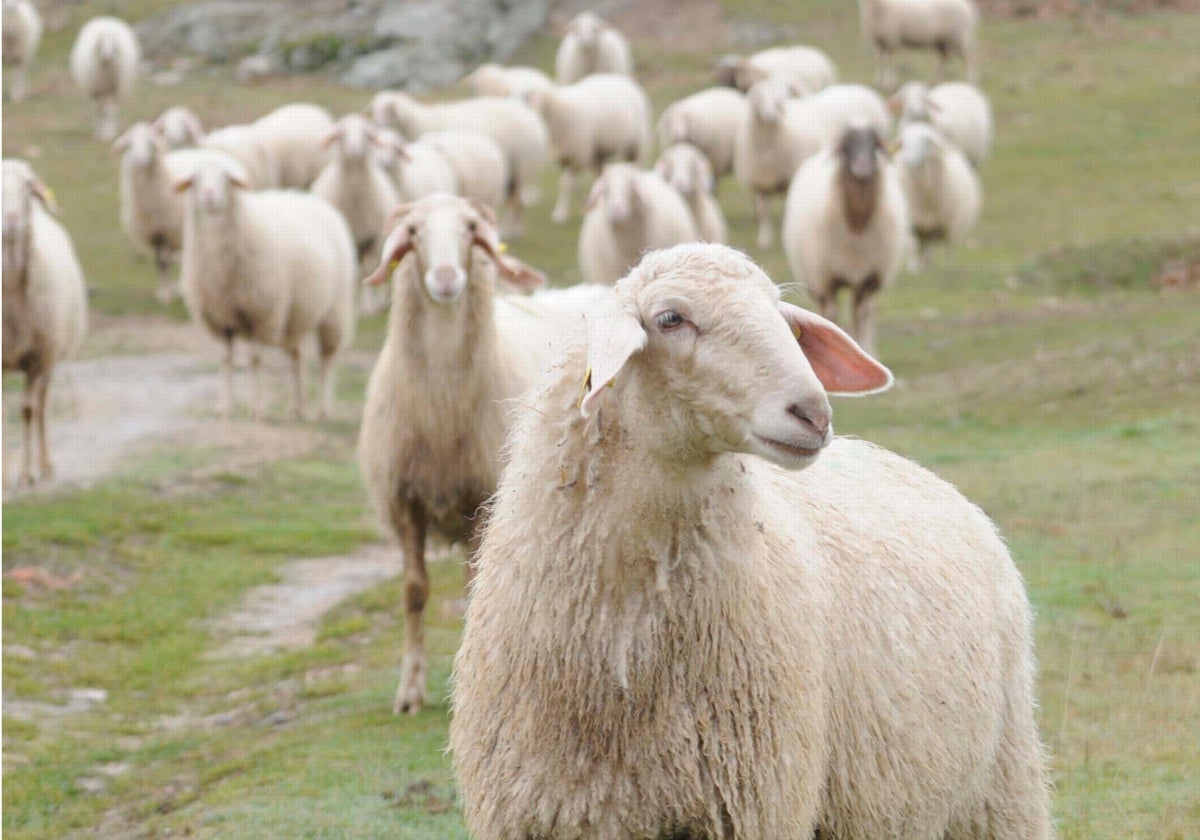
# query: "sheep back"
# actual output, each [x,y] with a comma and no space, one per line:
[89,74]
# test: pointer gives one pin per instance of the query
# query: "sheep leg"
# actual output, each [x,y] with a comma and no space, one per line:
[516,215]
[326,410]
[28,402]
[256,409]
[16,89]
[828,303]
[885,77]
[566,188]
[409,520]
[106,119]
[864,305]
[297,382]
[162,261]
[225,401]
[40,388]
[766,230]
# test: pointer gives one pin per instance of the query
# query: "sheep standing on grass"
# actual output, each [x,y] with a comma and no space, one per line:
[45,301]
[104,64]
[708,120]
[697,613]
[591,45]
[958,110]
[944,195]
[22,29]
[269,268]
[947,26]
[439,400]
[685,168]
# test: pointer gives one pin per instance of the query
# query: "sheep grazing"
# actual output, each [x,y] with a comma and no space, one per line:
[438,402]
[944,195]
[807,68]
[180,127]
[846,226]
[104,64]
[956,109]
[498,80]
[708,120]
[601,116]
[479,165]
[591,45]
[685,168]
[947,26]
[45,301]
[270,268]
[629,212]
[22,29]
[697,613]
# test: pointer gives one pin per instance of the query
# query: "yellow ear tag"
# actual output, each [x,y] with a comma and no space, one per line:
[583,388]
[393,265]
[50,196]
[502,247]
[796,331]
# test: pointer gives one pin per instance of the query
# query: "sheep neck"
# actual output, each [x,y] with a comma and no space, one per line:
[859,197]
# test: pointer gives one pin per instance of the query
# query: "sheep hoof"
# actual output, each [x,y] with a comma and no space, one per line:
[409,700]
[165,294]
[25,481]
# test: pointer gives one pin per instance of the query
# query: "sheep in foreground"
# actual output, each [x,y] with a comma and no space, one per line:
[417,169]
[958,110]
[180,127]
[685,168]
[699,614]
[807,68]
[629,212]
[947,26]
[515,127]
[269,268]
[45,301]
[591,45]
[104,64]
[846,226]
[708,120]
[22,30]
[943,191]
[498,80]
[439,400]
[601,116]
[480,167]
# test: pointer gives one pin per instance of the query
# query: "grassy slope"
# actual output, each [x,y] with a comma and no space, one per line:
[1067,413]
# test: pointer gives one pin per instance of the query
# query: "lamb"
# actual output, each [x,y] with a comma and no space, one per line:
[629,212]
[416,169]
[497,80]
[956,109]
[104,64]
[22,30]
[480,167]
[697,613]
[270,268]
[601,116]
[293,136]
[944,195]
[438,401]
[708,120]
[45,301]
[807,68]
[591,45]
[685,168]
[846,226]
[515,127]
[947,26]
[180,127]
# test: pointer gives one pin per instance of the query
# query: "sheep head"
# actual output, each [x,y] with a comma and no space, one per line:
[617,194]
[141,144]
[920,145]
[180,128]
[768,97]
[587,28]
[354,136]
[395,110]
[212,186]
[686,168]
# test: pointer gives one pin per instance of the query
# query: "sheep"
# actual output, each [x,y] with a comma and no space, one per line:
[497,80]
[180,127]
[22,33]
[417,169]
[515,127]
[708,120]
[242,144]
[685,168]
[45,301]
[437,406]
[943,191]
[601,116]
[628,212]
[270,268]
[293,136]
[958,110]
[698,614]
[807,68]
[480,167]
[104,64]
[947,26]
[591,45]
[846,225]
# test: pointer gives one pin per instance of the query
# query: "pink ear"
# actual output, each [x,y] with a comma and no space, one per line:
[614,334]
[839,363]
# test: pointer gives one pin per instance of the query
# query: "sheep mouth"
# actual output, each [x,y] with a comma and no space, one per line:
[791,450]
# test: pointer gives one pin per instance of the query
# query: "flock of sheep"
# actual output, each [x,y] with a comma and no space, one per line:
[674,630]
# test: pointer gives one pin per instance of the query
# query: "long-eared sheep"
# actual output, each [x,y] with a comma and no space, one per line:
[686,168]
[846,226]
[104,64]
[269,268]
[480,167]
[180,127]
[591,45]
[601,116]
[947,26]
[438,402]
[22,30]
[958,110]
[944,195]
[807,68]
[45,301]
[708,120]
[698,614]
[498,80]
[629,212]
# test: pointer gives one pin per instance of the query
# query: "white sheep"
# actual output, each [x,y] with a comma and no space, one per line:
[104,64]
[22,30]
[498,80]
[686,168]
[629,212]
[439,400]
[708,120]
[180,127]
[242,144]
[591,45]
[698,614]
[947,26]
[45,301]
[269,268]
[958,110]
[480,166]
[417,169]
[599,117]
[846,226]
[807,68]
[293,136]
[943,190]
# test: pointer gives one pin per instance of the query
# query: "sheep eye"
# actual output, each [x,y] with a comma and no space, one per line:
[668,320]
[412,230]
[471,226]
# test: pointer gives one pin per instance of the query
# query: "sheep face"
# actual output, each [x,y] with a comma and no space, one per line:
[721,363]
[141,145]
[180,128]
[587,28]
[685,168]
[395,110]
[859,150]
[212,188]
[768,98]
[616,194]
[910,103]
[920,145]
[354,137]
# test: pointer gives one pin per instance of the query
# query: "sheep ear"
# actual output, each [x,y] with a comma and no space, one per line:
[395,247]
[520,275]
[182,185]
[932,106]
[238,181]
[46,196]
[839,363]
[613,335]
[598,191]
[195,129]
[332,136]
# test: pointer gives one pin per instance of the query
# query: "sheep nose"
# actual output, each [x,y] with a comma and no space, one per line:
[445,275]
[815,420]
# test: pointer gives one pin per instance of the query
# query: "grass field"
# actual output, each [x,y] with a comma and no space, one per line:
[1037,367]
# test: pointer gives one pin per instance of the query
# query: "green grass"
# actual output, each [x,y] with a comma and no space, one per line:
[1037,369]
